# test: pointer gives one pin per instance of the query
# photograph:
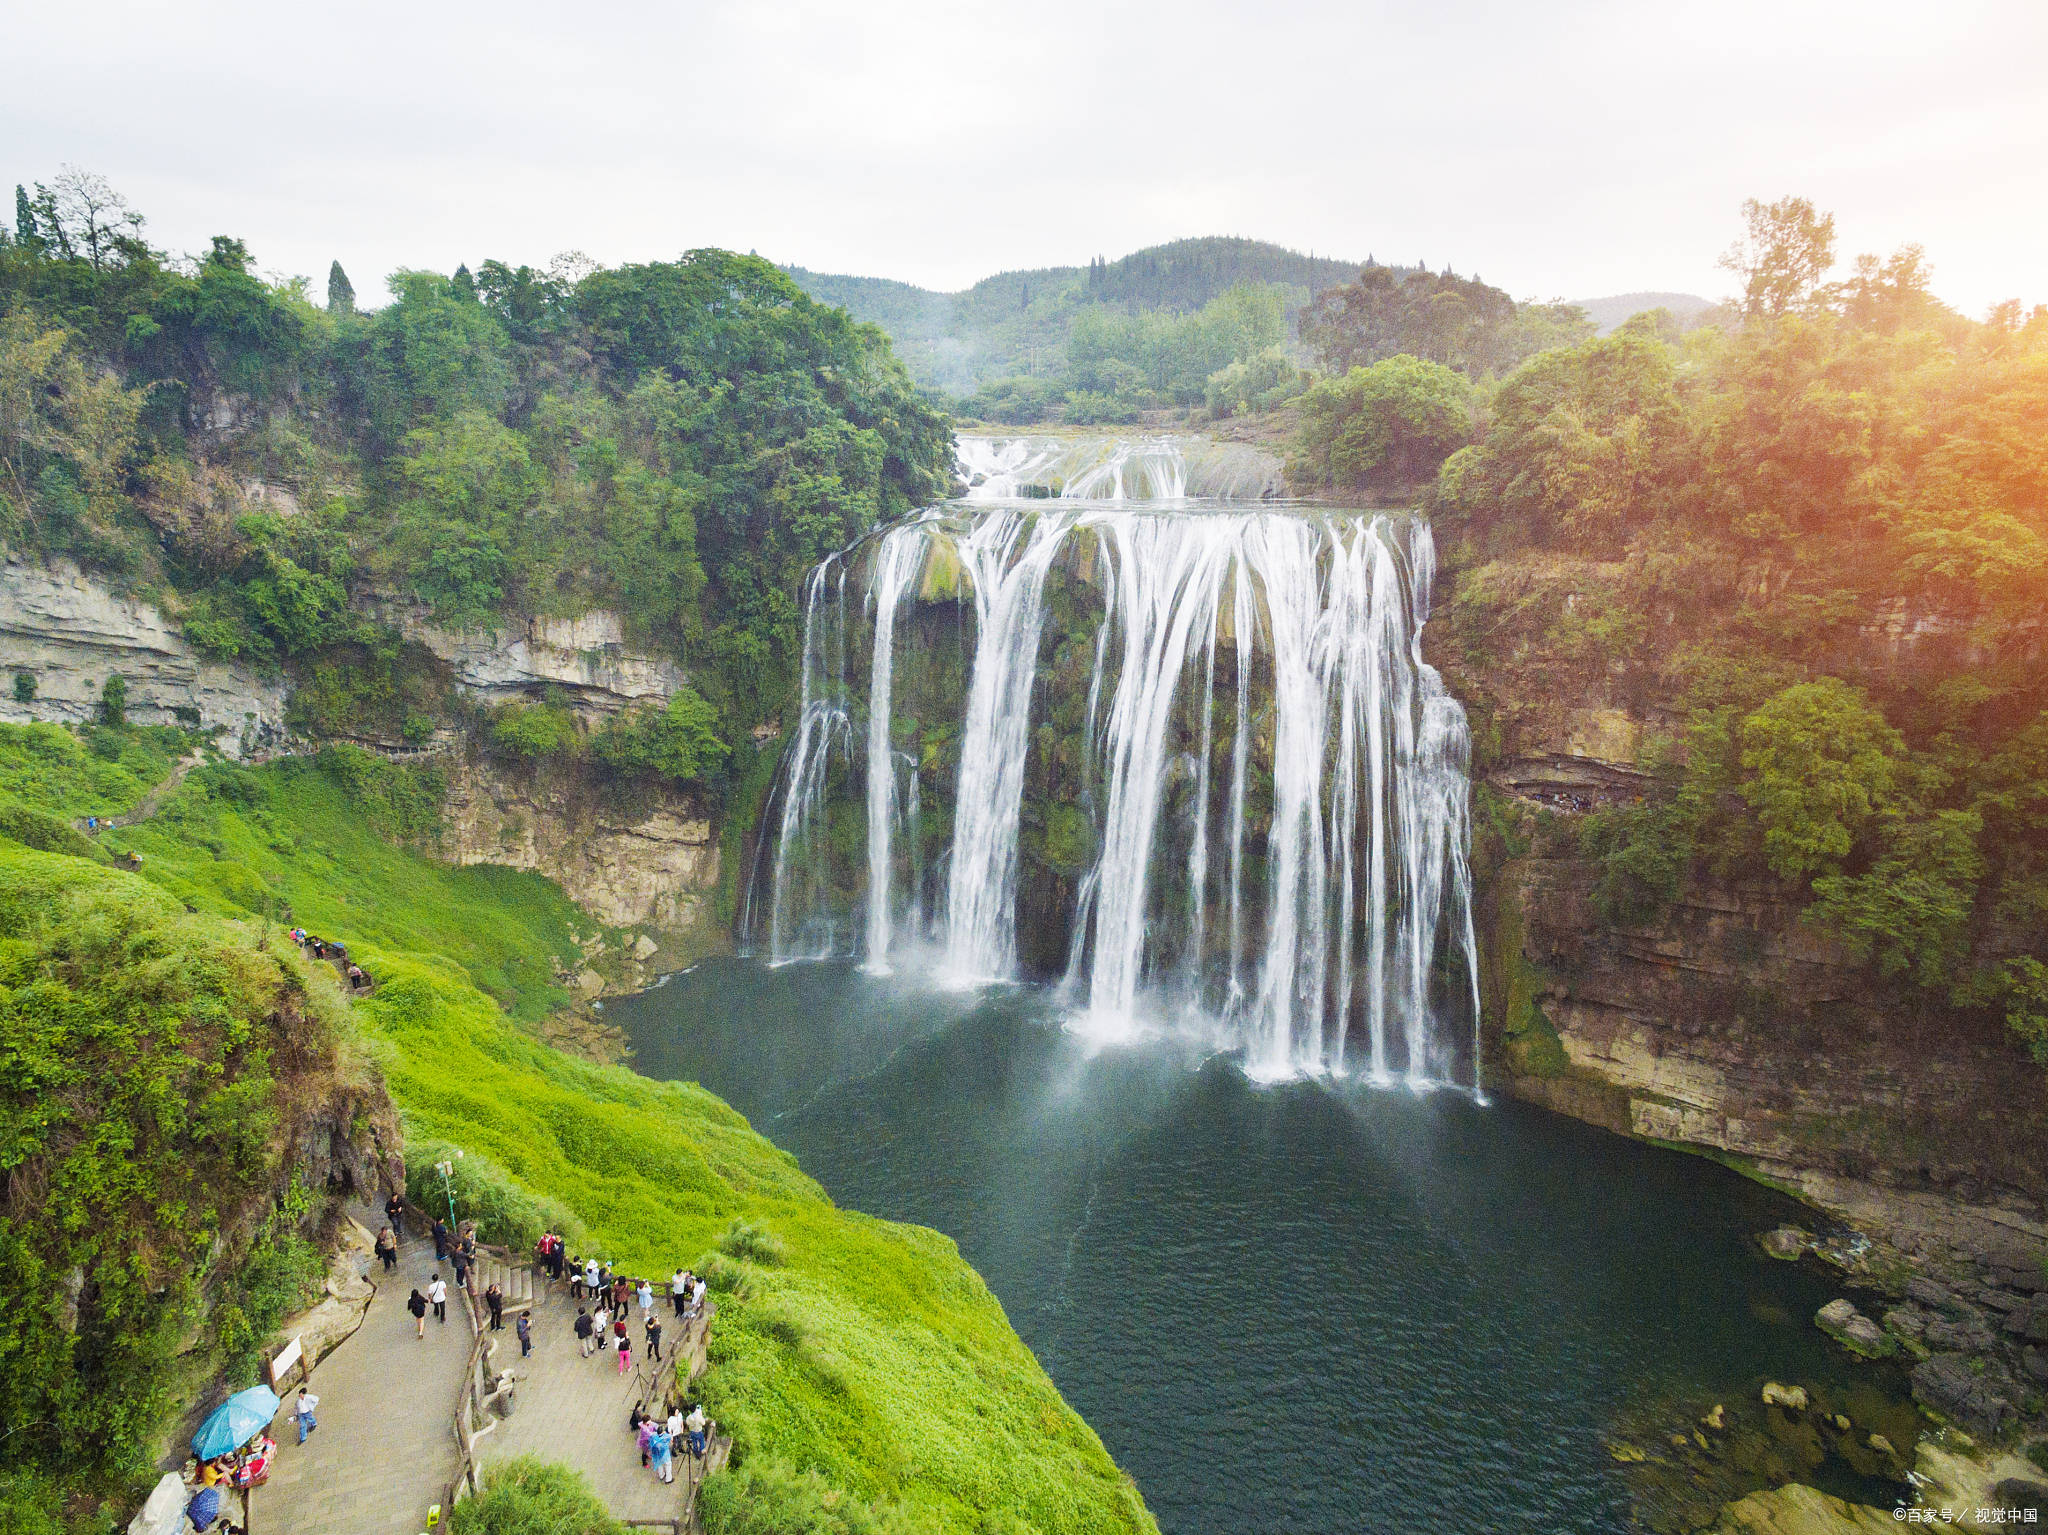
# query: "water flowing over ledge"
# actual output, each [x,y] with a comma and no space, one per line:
[1115,468]
[1189,763]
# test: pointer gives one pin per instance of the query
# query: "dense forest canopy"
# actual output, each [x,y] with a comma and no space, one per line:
[679,441]
[1815,539]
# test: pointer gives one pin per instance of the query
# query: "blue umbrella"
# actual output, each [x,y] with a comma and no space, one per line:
[235,1422]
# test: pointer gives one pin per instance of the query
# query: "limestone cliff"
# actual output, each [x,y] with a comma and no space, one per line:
[1730,1024]
[648,861]
[69,632]
[584,659]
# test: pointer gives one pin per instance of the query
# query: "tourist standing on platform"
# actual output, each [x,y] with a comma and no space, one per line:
[387,1248]
[525,1330]
[437,1293]
[659,1445]
[654,1339]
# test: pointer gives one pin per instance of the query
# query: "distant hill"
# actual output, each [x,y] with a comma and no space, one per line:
[1610,312]
[1016,322]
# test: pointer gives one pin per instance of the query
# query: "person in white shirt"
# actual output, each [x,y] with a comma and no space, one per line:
[675,1424]
[601,1319]
[646,1294]
[302,1409]
[590,1275]
[697,1424]
[679,1290]
[437,1292]
[697,1297]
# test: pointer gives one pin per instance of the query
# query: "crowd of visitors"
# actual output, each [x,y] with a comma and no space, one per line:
[663,1438]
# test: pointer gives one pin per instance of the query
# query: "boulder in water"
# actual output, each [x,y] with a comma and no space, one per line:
[1786,1243]
[1840,1320]
[1882,1445]
[1791,1398]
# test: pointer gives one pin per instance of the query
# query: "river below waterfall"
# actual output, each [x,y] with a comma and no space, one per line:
[1313,1305]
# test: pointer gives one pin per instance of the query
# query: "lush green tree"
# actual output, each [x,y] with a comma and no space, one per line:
[432,357]
[341,293]
[534,730]
[524,1496]
[1443,318]
[1581,443]
[678,741]
[1911,911]
[1259,382]
[1821,764]
[1786,249]
[1385,427]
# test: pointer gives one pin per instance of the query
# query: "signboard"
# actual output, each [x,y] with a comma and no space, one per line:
[283,1362]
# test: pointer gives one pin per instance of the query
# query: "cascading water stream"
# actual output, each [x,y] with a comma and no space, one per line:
[1313,932]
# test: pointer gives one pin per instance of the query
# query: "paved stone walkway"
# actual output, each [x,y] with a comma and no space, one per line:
[385,1448]
[575,1410]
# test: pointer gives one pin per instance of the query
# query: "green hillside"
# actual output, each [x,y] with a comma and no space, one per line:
[860,1350]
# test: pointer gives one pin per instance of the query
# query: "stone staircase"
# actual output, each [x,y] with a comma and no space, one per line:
[514,1279]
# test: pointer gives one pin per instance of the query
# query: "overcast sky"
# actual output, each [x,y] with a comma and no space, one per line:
[1558,150]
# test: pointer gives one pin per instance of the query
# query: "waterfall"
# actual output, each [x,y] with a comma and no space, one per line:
[1109,467]
[901,554]
[1293,868]
[1006,557]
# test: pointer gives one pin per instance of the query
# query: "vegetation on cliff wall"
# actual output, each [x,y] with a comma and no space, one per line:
[152,1230]
[856,1361]
[677,441]
[1814,539]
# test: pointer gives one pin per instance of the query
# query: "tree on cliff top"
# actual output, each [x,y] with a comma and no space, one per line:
[1785,250]
[341,293]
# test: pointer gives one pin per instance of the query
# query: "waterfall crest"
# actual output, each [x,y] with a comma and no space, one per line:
[1192,761]
[1108,467]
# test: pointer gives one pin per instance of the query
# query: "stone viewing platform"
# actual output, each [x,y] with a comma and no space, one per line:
[406,1423]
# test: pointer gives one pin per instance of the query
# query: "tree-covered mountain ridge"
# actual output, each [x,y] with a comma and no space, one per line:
[1018,323]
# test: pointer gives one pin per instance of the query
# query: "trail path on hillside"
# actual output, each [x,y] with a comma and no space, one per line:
[385,1448]
[154,799]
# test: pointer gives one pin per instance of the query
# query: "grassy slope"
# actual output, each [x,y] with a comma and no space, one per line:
[872,1352]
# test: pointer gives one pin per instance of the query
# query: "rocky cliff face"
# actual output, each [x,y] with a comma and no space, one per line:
[1734,1026]
[70,632]
[650,863]
[586,659]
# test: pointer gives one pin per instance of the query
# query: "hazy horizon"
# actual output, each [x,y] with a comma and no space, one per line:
[1585,151]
